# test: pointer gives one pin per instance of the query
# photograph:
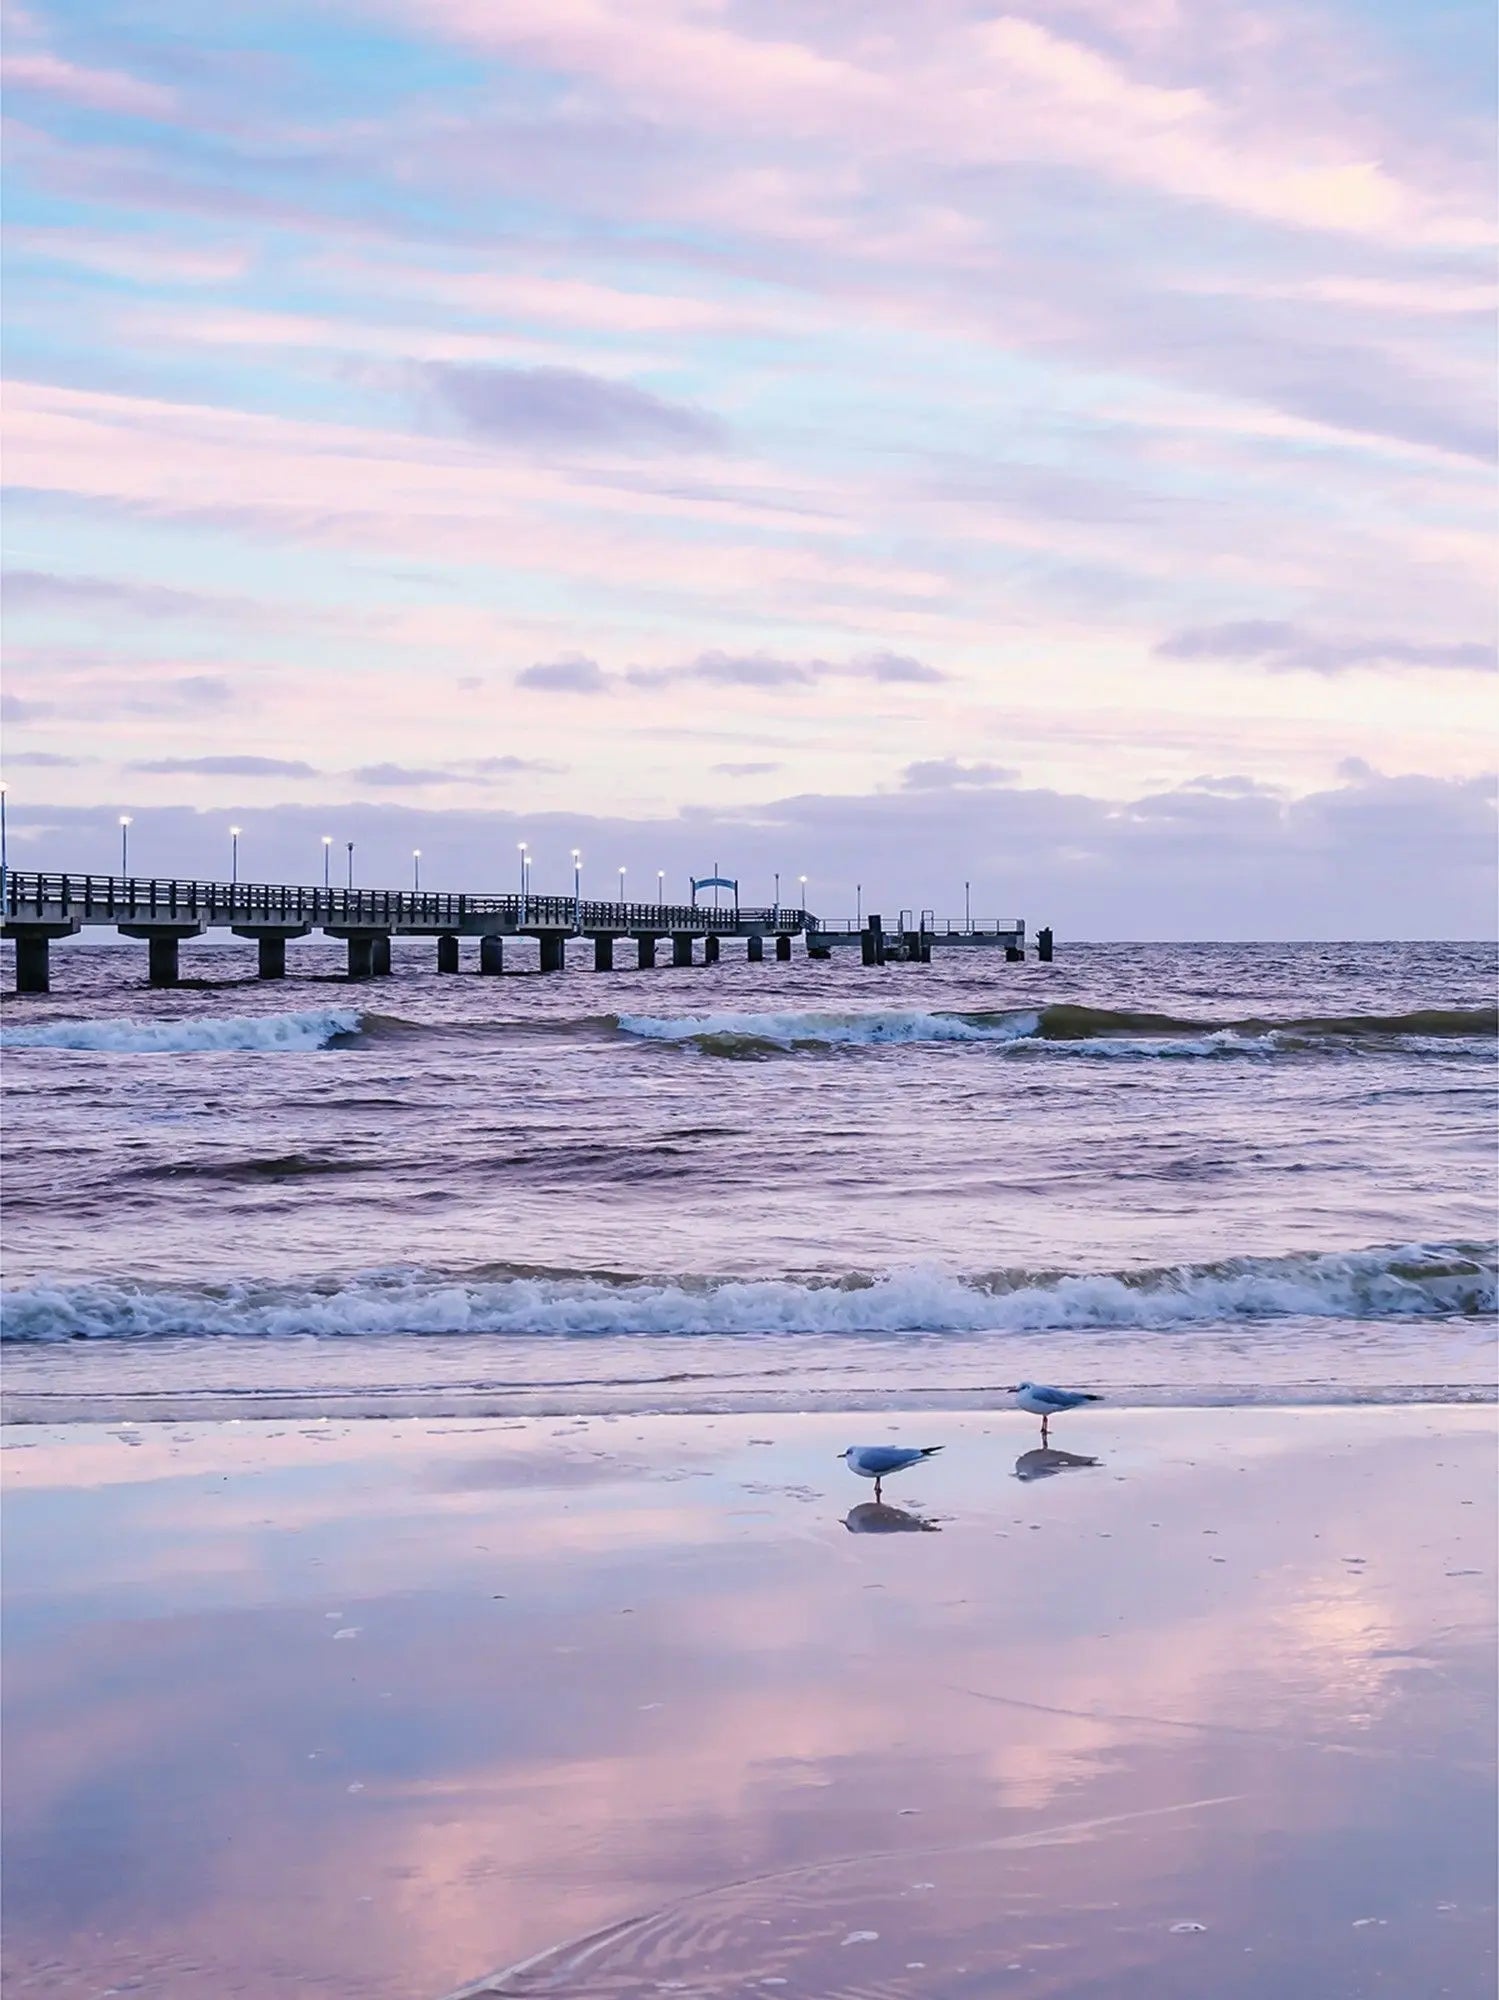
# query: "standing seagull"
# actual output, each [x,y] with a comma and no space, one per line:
[1046,1403]
[878,1461]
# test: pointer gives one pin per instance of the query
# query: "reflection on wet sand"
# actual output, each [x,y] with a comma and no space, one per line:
[1045,1459]
[438,1722]
[878,1517]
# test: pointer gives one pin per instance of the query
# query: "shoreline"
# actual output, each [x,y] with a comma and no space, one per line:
[1200,1701]
[44,1409]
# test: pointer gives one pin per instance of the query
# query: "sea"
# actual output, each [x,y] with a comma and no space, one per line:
[1176,1173]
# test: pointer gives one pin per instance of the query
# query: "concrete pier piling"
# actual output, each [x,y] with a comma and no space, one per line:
[447,954]
[872,942]
[783,949]
[603,954]
[711,949]
[270,944]
[162,941]
[361,946]
[756,950]
[553,951]
[380,957]
[1043,944]
[645,953]
[491,955]
[33,961]
[681,948]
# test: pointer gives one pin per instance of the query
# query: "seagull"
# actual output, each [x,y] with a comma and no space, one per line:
[1046,1403]
[878,1461]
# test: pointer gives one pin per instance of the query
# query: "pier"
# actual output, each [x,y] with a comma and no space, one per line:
[39,909]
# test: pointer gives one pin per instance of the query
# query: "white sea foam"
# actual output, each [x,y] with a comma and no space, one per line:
[831,1028]
[207,1033]
[1380,1284]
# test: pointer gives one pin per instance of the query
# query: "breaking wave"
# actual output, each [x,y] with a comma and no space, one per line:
[1095,1031]
[1440,1280]
[281,1032]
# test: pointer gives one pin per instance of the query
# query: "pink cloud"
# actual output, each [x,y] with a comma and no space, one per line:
[91,89]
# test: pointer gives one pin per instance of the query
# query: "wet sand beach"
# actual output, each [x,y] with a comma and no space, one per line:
[639,1705]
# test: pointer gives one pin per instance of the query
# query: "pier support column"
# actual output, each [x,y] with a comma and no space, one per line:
[681,948]
[161,958]
[161,942]
[1013,954]
[872,942]
[33,962]
[270,945]
[756,948]
[1043,945]
[361,955]
[603,954]
[492,955]
[645,953]
[553,951]
[783,947]
[380,957]
[447,954]
[711,949]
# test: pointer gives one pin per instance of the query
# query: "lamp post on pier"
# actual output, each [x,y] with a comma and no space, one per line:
[577,889]
[802,880]
[621,885]
[858,906]
[4,859]
[525,863]
[327,860]
[660,888]
[350,845]
[124,843]
[233,856]
[967,908]
[416,871]
[775,905]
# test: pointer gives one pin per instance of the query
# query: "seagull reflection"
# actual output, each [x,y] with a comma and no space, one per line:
[1045,1459]
[877,1517]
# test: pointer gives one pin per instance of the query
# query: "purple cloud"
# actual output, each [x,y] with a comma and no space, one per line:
[224,767]
[947,773]
[1288,648]
[44,591]
[572,674]
[564,406]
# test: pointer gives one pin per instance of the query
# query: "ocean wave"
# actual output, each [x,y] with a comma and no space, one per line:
[1392,1283]
[828,1028]
[1094,1031]
[205,1034]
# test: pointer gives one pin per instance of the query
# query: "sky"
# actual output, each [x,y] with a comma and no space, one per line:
[1047,450]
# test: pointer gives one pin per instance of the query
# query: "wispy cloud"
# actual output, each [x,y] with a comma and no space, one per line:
[577,674]
[1286,648]
[223,767]
[564,407]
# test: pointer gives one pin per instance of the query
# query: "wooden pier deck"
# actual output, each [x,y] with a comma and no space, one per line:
[40,908]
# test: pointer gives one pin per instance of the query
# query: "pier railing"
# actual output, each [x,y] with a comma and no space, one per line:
[132,899]
[944,927]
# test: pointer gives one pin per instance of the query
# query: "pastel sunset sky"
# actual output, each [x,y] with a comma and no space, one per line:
[899,444]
